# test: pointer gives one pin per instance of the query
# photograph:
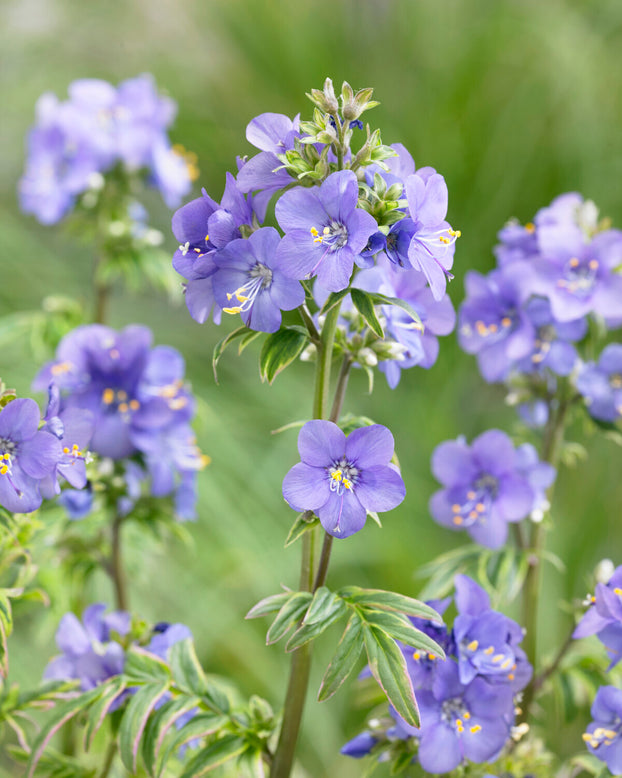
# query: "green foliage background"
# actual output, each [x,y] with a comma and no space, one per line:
[513,101]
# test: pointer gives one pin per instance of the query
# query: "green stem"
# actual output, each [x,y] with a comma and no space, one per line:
[111,752]
[301,658]
[116,566]
[309,324]
[551,448]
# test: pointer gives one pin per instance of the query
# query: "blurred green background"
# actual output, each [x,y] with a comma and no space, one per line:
[513,102]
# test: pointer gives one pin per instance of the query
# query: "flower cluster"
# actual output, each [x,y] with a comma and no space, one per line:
[467,700]
[524,319]
[74,142]
[337,211]
[34,453]
[140,408]
[488,485]
[342,478]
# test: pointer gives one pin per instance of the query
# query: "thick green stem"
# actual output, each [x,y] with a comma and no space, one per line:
[301,658]
[551,448]
[116,566]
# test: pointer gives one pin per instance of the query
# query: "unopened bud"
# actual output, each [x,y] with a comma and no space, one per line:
[367,357]
[604,570]
[309,353]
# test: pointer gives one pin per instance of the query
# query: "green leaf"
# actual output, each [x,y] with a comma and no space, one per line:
[268,605]
[159,725]
[322,604]
[251,764]
[251,336]
[134,720]
[186,668]
[199,726]
[60,715]
[299,527]
[345,658]
[220,347]
[306,632]
[279,350]
[100,708]
[388,666]
[144,667]
[289,614]
[333,299]
[381,299]
[389,601]
[365,306]
[214,755]
[400,628]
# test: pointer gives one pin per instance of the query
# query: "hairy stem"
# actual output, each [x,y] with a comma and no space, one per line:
[551,447]
[301,658]
[116,566]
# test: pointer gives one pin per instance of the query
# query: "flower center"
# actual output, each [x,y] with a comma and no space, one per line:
[7,449]
[579,276]
[334,236]
[117,401]
[496,330]
[342,476]
[259,279]
[602,736]
[477,503]
[455,713]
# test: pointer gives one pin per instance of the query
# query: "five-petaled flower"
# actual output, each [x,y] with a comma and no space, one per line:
[340,478]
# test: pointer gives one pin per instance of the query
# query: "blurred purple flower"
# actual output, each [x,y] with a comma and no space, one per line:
[600,384]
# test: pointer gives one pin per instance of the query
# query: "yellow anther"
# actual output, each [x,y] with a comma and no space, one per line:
[473,515]
[617,591]
[489,650]
[481,328]
[466,715]
[510,676]
[134,405]
[61,367]
[122,395]
[497,658]
[235,309]
[475,728]
[506,321]
[177,403]
[574,262]
[586,736]
[198,251]
[493,327]
[593,264]
[456,508]
[206,238]
[326,230]
[416,656]
[473,645]
[431,657]
[530,227]
[4,469]
[458,722]
[471,495]
[108,396]
[205,460]
[506,664]
[458,519]
[454,233]
[336,476]
[123,407]
[314,231]
[480,507]
[347,484]
[443,239]
[6,456]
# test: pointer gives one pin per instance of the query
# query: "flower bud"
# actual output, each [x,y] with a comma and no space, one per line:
[604,570]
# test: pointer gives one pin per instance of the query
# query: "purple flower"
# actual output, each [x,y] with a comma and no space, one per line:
[484,487]
[486,640]
[492,322]
[421,666]
[578,276]
[518,243]
[77,503]
[604,617]
[360,746]
[324,231]
[250,281]
[601,384]
[90,653]
[603,734]
[166,635]
[461,721]
[27,455]
[431,248]
[342,479]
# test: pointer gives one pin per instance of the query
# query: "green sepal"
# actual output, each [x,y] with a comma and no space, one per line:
[289,614]
[388,666]
[134,721]
[344,659]
[214,755]
[279,350]
[299,527]
[365,306]
[389,601]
